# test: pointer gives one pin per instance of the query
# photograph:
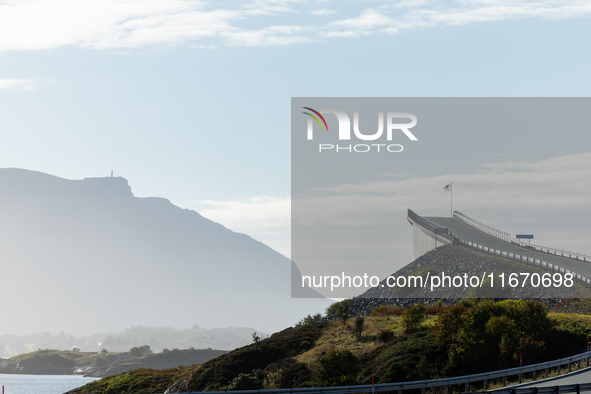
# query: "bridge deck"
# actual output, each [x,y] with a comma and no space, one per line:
[470,234]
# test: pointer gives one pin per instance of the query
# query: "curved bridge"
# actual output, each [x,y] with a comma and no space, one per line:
[430,232]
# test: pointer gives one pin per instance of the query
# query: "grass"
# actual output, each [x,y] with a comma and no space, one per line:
[338,336]
[65,358]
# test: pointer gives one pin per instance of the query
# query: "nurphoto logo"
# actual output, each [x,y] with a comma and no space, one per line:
[344,132]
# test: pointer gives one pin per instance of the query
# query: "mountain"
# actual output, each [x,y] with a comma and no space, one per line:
[85,256]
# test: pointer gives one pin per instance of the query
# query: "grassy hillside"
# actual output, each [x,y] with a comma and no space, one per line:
[103,364]
[473,336]
[58,358]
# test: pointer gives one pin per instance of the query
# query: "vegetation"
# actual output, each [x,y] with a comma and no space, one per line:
[56,358]
[140,351]
[419,342]
[339,368]
[358,328]
[317,318]
[342,310]
[413,316]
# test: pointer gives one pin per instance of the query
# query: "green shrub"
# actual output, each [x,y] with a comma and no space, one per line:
[309,320]
[413,316]
[385,336]
[339,368]
[140,351]
[244,382]
[493,334]
[358,328]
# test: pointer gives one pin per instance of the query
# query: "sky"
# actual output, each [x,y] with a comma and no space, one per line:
[190,100]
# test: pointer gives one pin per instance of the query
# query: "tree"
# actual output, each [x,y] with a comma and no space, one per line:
[306,321]
[358,329]
[104,351]
[449,323]
[342,310]
[255,337]
[339,368]
[413,316]
[140,351]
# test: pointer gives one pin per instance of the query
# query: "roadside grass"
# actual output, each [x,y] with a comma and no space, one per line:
[338,336]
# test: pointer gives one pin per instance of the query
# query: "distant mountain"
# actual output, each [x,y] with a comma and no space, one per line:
[158,338]
[86,256]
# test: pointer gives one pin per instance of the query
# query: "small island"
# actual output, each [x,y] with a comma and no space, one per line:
[104,363]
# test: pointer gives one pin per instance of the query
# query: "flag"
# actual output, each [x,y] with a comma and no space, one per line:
[447,188]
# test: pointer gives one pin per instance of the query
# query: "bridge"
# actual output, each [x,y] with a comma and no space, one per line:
[430,232]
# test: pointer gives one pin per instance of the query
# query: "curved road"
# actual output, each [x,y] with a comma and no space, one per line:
[470,234]
[578,377]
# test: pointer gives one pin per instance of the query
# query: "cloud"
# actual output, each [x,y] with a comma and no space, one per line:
[266,219]
[274,35]
[368,19]
[323,12]
[120,24]
[26,84]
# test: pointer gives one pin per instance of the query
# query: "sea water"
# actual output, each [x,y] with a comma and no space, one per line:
[41,384]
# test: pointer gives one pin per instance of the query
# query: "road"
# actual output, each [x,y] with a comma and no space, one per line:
[578,377]
[470,234]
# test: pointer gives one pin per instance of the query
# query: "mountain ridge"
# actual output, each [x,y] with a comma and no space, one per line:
[78,246]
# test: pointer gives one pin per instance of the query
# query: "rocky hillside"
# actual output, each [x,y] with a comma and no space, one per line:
[459,261]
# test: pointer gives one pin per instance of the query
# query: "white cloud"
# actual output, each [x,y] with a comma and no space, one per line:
[411,3]
[26,84]
[117,24]
[368,19]
[323,12]
[274,35]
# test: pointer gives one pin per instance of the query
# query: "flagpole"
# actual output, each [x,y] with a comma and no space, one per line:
[451,212]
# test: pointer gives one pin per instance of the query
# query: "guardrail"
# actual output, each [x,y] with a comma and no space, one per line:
[425,384]
[564,389]
[431,226]
[555,252]
[527,260]
[505,236]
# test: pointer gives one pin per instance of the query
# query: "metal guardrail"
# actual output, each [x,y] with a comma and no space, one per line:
[505,236]
[527,260]
[564,389]
[431,226]
[425,384]
[555,252]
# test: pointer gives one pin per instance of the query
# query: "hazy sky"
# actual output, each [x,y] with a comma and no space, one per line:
[190,100]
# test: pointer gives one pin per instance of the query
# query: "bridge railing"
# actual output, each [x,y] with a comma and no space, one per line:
[505,236]
[431,226]
[555,252]
[425,384]
[528,260]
